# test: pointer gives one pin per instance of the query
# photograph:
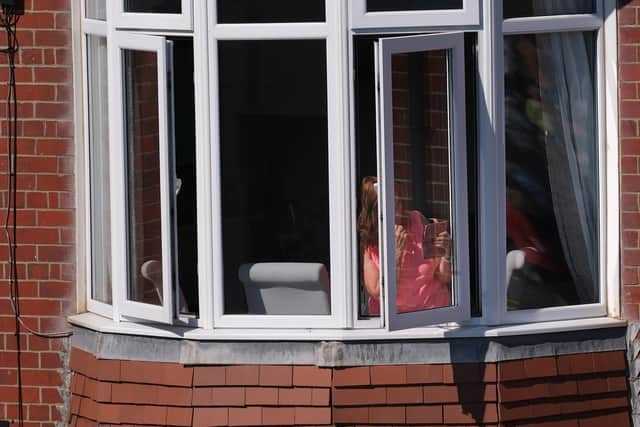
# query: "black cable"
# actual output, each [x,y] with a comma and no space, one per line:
[9,21]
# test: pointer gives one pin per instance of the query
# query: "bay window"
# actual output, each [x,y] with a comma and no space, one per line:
[335,167]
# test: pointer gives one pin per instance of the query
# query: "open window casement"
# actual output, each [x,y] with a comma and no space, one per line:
[422,173]
[142,171]
[96,164]
[166,14]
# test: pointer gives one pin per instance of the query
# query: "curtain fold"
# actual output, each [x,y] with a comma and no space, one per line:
[567,93]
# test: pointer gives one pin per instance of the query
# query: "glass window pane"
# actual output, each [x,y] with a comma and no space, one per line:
[153,6]
[97,98]
[551,170]
[96,9]
[258,11]
[422,180]
[185,171]
[143,174]
[275,195]
[524,8]
[399,5]
[473,186]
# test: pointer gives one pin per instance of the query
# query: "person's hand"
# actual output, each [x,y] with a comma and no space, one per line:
[443,272]
[443,241]
[401,237]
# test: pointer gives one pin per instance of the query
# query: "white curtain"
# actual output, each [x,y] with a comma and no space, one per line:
[567,87]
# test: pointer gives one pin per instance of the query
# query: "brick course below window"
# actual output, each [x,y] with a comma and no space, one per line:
[573,390]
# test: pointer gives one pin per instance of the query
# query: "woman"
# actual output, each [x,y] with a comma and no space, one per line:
[422,283]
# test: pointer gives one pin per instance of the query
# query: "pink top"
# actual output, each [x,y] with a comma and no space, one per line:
[418,286]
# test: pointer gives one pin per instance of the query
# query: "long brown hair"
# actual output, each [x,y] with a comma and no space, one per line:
[368,217]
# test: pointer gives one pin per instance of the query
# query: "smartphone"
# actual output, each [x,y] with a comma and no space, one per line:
[432,230]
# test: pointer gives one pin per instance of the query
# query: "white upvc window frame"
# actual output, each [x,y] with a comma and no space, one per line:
[165,21]
[344,269]
[163,313]
[338,156]
[98,28]
[453,44]
[492,167]
[468,15]
[573,23]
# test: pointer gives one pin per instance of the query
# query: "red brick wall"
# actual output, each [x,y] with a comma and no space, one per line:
[46,210]
[401,144]
[437,149]
[436,133]
[579,390]
[146,393]
[570,390]
[629,98]
[416,394]
[629,67]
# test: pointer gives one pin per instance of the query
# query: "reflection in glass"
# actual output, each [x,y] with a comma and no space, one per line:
[421,172]
[153,6]
[274,159]
[246,11]
[143,174]
[422,187]
[399,5]
[551,170]
[99,166]
[524,8]
[96,9]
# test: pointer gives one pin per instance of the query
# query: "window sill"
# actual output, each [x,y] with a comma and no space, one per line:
[104,325]
[127,341]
